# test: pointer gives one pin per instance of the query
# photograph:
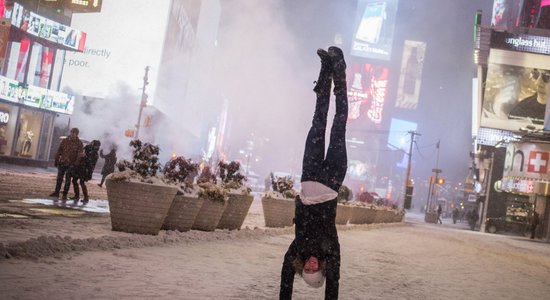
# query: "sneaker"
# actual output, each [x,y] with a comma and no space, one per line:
[99,185]
[337,57]
[76,198]
[54,194]
[64,197]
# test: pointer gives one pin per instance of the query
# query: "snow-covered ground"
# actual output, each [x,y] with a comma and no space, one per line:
[69,254]
[404,261]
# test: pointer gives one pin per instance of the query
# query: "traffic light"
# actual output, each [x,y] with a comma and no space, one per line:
[408,197]
[440,180]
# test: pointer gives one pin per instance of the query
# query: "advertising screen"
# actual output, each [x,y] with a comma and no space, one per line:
[506,14]
[374,28]
[367,93]
[33,96]
[410,78]
[399,137]
[117,52]
[42,27]
[516,90]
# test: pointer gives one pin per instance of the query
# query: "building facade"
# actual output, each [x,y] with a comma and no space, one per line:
[36,37]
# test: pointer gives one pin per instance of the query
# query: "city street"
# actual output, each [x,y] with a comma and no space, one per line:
[67,252]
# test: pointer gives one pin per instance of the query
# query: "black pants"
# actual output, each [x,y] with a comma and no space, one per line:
[329,170]
[63,172]
[76,181]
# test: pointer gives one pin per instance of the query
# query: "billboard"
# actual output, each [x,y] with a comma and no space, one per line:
[506,14]
[399,136]
[33,96]
[117,53]
[516,90]
[410,78]
[373,36]
[368,91]
[42,27]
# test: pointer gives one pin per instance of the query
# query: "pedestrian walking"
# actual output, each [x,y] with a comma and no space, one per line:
[535,220]
[473,218]
[439,211]
[315,251]
[66,159]
[455,215]
[85,170]
[109,166]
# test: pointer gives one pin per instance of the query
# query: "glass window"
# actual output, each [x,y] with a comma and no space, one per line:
[17,60]
[40,65]
[46,136]
[30,123]
[57,69]
[8,119]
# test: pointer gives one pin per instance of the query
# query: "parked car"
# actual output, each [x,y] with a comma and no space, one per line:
[507,224]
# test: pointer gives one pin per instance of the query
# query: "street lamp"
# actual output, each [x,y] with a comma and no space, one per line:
[143,102]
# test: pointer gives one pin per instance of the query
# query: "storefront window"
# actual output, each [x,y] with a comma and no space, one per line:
[40,65]
[46,136]
[30,124]
[18,58]
[57,69]
[8,119]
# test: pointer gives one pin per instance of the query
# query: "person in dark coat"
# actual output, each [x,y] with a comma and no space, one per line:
[85,170]
[439,212]
[109,166]
[67,158]
[315,251]
[534,223]
[473,218]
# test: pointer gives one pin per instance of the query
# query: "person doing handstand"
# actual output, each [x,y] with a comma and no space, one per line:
[315,251]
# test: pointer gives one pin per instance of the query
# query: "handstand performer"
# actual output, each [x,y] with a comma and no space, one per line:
[315,251]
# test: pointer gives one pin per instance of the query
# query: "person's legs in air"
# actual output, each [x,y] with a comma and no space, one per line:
[336,161]
[314,152]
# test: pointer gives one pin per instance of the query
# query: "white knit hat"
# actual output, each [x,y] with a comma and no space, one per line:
[315,280]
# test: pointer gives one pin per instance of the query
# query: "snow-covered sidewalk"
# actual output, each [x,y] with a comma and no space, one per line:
[403,261]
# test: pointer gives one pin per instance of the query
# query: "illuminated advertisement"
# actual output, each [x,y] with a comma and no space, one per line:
[45,28]
[410,78]
[399,137]
[357,169]
[33,96]
[110,62]
[373,35]
[367,93]
[520,42]
[526,168]
[516,90]
[506,14]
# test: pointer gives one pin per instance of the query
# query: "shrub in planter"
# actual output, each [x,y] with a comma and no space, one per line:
[215,201]
[239,197]
[279,205]
[187,203]
[138,199]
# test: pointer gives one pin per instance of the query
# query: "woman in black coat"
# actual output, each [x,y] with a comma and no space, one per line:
[109,166]
[315,251]
[85,170]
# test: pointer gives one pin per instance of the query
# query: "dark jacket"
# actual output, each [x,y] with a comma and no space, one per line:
[110,161]
[86,167]
[316,235]
[69,152]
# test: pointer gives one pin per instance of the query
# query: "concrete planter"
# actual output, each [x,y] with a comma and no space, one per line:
[359,215]
[235,212]
[398,217]
[343,214]
[182,213]
[209,215]
[430,217]
[384,216]
[137,207]
[278,212]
